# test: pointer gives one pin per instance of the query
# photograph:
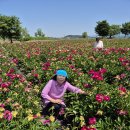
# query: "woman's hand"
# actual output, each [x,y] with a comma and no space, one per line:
[82,92]
[58,101]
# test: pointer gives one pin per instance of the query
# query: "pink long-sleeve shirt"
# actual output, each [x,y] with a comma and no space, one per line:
[56,91]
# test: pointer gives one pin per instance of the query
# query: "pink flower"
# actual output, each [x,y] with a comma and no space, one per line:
[72,66]
[22,79]
[87,85]
[122,76]
[123,89]
[27,89]
[15,60]
[121,59]
[6,84]
[99,98]
[128,68]
[84,128]
[8,115]
[102,70]
[35,75]
[0,80]
[46,122]
[35,116]
[11,71]
[106,98]
[97,74]
[28,54]
[2,105]
[46,66]
[12,76]
[92,121]
[91,128]
[87,128]
[91,72]
[122,112]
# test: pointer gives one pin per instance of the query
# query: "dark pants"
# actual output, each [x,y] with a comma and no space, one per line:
[52,108]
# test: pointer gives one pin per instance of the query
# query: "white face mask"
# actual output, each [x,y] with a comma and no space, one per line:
[60,79]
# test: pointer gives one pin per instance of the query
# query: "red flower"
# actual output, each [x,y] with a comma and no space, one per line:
[35,75]
[6,84]
[92,121]
[0,80]
[11,71]
[106,98]
[14,60]
[102,70]
[87,85]
[121,59]
[84,128]
[123,89]
[99,98]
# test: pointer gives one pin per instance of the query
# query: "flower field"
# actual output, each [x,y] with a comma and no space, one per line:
[26,67]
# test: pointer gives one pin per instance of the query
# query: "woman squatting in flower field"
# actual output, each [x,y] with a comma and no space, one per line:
[54,90]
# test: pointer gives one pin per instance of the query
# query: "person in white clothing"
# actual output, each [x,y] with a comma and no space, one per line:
[98,43]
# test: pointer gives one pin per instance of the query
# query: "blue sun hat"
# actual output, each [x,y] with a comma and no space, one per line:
[62,73]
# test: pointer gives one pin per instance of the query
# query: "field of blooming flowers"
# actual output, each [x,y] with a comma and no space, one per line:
[104,74]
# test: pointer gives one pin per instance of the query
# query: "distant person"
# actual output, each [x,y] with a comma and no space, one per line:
[98,43]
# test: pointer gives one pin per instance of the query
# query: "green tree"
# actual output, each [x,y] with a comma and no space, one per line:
[10,27]
[39,33]
[84,35]
[25,36]
[102,28]
[114,29]
[125,28]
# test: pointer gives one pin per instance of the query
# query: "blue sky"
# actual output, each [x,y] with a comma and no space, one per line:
[58,18]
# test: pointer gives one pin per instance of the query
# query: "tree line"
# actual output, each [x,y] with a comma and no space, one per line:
[104,29]
[10,28]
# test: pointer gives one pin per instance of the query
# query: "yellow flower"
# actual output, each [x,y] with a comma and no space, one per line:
[1,115]
[20,84]
[30,117]
[52,118]
[16,86]
[20,106]
[14,113]
[8,100]
[38,114]
[5,89]
[29,111]
[81,118]
[36,90]
[36,103]
[126,95]
[36,87]
[2,109]
[16,94]
[82,123]
[15,104]
[99,112]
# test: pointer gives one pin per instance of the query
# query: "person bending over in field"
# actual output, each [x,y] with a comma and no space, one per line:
[98,43]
